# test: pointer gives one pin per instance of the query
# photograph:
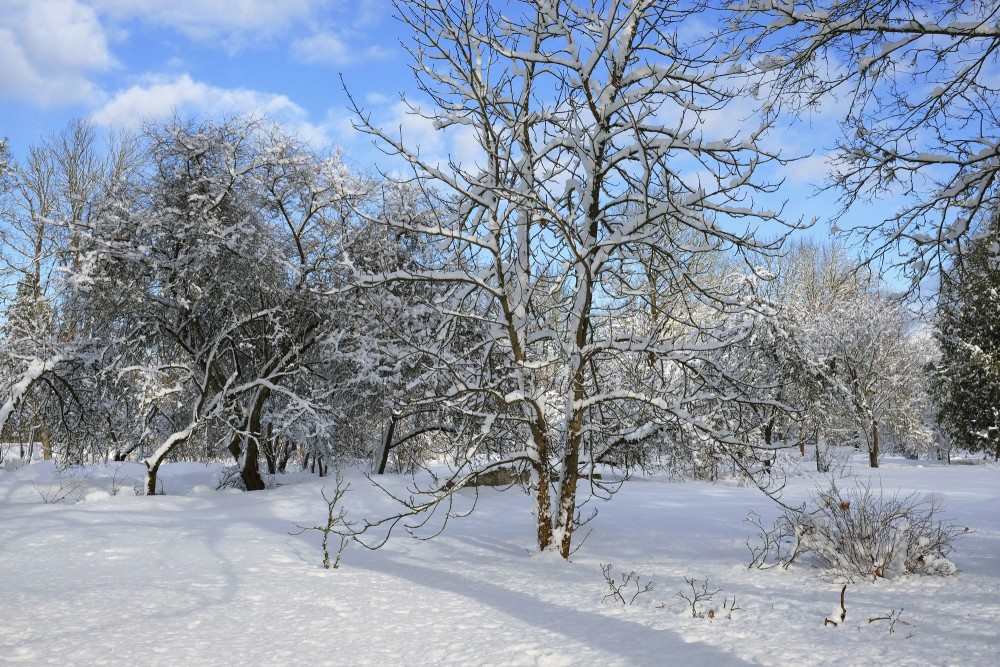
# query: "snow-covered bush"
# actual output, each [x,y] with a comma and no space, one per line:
[861,533]
[12,464]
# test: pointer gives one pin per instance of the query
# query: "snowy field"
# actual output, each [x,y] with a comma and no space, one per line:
[202,577]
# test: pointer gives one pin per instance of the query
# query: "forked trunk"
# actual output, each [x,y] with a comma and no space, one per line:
[250,472]
[245,448]
[152,468]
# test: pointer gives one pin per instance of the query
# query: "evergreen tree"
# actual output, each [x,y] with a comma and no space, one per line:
[968,333]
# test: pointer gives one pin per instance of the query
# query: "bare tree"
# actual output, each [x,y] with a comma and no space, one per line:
[921,123]
[555,252]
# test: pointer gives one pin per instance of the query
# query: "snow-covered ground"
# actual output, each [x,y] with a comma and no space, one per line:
[201,577]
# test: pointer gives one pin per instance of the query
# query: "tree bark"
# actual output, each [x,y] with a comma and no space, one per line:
[567,494]
[152,469]
[245,446]
[285,453]
[543,498]
[819,460]
[250,473]
[387,433]
[873,449]
[270,450]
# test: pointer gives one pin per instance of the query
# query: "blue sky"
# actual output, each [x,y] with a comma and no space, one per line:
[124,61]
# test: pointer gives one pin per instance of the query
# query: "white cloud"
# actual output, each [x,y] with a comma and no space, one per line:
[49,49]
[456,144]
[467,149]
[377,98]
[812,170]
[322,47]
[159,97]
[330,48]
[416,131]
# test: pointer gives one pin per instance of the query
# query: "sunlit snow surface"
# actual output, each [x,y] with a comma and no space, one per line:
[201,577]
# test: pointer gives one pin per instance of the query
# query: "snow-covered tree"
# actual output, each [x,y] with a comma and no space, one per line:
[878,370]
[918,79]
[568,322]
[967,376]
[6,179]
[207,290]
[47,362]
[859,357]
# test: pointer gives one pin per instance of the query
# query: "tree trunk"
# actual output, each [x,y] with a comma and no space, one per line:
[285,453]
[154,460]
[250,472]
[270,450]
[819,459]
[567,494]
[383,457]
[543,510]
[873,449]
[543,498]
[245,447]
[152,468]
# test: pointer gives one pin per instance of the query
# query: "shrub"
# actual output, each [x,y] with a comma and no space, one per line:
[861,533]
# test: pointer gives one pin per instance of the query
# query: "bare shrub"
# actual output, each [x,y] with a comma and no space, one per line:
[699,596]
[119,479]
[231,477]
[67,486]
[336,524]
[860,533]
[12,464]
[627,589]
[893,617]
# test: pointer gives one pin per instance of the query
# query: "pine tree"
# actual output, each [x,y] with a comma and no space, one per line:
[968,333]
